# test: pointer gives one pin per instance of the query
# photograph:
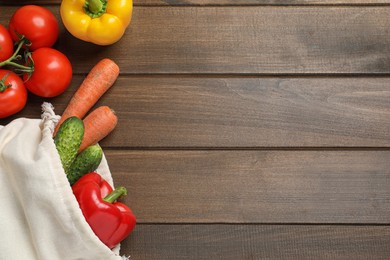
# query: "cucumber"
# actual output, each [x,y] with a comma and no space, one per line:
[68,140]
[87,161]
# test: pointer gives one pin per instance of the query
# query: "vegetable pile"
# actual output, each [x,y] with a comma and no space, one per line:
[29,63]
[27,52]
[76,138]
[26,47]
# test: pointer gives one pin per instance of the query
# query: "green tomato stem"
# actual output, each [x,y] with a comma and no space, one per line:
[19,66]
[9,61]
[3,86]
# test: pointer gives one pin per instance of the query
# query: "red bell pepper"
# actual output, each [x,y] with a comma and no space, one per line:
[111,221]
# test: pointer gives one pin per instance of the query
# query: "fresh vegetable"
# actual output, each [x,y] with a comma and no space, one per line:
[101,77]
[97,125]
[110,221]
[6,44]
[102,22]
[13,94]
[45,72]
[37,24]
[51,72]
[85,162]
[68,140]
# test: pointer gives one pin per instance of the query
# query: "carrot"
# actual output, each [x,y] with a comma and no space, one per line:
[97,125]
[101,77]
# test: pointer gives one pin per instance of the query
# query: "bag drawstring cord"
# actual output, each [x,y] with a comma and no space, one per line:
[49,118]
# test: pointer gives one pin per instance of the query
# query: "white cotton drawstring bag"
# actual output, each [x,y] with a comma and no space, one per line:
[40,217]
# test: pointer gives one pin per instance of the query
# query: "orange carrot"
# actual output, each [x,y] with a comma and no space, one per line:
[101,77]
[97,125]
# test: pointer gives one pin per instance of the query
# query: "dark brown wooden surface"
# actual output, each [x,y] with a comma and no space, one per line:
[224,111]
[224,2]
[259,242]
[256,186]
[247,40]
[264,40]
[247,129]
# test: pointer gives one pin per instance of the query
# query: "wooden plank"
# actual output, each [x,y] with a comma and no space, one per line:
[245,40]
[255,186]
[259,2]
[242,112]
[219,2]
[248,40]
[257,242]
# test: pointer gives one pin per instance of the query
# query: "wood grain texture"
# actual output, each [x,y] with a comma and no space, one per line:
[245,40]
[260,2]
[248,129]
[242,112]
[220,2]
[152,242]
[255,186]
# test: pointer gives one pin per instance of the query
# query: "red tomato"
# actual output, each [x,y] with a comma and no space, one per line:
[52,73]
[37,24]
[12,98]
[6,44]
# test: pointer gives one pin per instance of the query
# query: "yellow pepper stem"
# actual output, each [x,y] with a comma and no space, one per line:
[95,8]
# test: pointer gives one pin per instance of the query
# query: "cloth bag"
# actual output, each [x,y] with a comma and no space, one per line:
[40,217]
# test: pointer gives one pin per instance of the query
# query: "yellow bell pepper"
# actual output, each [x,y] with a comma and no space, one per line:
[101,22]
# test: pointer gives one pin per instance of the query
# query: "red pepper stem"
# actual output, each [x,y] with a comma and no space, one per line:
[115,194]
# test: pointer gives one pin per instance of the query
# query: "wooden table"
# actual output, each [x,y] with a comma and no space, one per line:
[248,129]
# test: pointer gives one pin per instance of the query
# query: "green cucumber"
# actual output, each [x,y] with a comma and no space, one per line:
[87,161]
[68,140]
